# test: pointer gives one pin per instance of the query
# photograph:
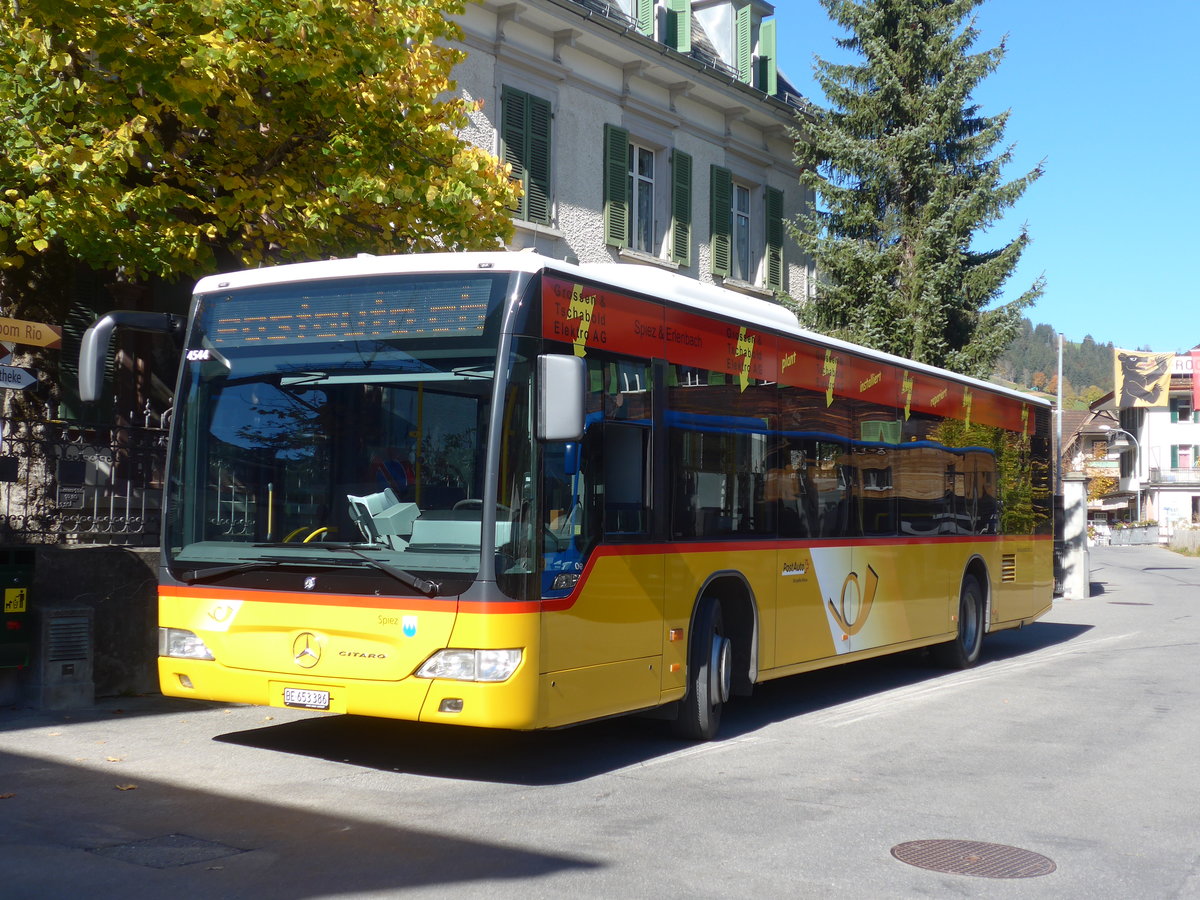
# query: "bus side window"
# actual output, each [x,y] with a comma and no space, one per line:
[626,494]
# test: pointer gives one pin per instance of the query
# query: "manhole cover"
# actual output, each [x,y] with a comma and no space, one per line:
[974,858]
[167,852]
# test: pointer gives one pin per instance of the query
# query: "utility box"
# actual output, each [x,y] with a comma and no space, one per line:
[63,663]
[16,625]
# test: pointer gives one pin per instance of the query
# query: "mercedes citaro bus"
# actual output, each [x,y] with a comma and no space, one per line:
[502,490]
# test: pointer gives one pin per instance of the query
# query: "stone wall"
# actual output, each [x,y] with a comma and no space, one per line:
[118,588]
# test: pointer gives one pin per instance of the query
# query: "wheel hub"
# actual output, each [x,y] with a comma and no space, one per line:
[720,670]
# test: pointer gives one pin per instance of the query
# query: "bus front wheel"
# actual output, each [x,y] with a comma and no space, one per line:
[710,675]
[963,651]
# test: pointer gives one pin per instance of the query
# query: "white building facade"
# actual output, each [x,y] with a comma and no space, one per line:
[1170,441]
[651,132]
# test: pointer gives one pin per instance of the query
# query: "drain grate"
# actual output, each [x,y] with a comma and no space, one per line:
[167,852]
[974,858]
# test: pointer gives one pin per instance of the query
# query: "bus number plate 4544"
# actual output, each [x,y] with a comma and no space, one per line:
[305,699]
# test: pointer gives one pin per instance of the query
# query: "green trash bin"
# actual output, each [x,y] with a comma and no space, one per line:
[16,585]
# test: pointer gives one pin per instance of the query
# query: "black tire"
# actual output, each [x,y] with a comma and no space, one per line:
[710,670]
[963,651]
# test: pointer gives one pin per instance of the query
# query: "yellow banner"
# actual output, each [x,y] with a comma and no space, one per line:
[1141,379]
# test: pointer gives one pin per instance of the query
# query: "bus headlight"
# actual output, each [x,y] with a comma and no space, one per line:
[471,665]
[182,644]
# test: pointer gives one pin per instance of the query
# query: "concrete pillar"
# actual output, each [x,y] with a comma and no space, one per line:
[1076,570]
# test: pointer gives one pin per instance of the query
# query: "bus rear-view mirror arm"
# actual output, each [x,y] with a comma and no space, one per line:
[561,383]
[93,353]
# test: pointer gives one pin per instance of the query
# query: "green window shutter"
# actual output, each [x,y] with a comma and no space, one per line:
[774,232]
[679,25]
[721,219]
[681,208]
[768,69]
[1174,456]
[616,186]
[539,161]
[1174,410]
[514,111]
[742,45]
[1196,415]
[525,146]
[644,14]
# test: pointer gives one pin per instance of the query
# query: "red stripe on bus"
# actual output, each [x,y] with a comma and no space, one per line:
[558,604]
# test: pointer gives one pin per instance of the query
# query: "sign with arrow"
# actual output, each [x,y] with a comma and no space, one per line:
[34,333]
[16,378]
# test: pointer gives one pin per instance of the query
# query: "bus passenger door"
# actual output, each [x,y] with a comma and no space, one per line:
[602,644]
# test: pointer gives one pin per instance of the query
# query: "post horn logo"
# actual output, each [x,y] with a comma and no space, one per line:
[306,650]
[856,601]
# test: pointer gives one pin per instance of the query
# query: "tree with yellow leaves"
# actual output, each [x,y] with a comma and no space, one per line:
[167,138]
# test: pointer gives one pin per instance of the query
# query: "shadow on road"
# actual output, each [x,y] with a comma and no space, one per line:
[574,754]
[77,834]
[18,718]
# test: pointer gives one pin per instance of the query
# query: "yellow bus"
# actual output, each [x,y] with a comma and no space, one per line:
[507,491]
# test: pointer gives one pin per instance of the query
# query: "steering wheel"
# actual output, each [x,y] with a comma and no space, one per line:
[315,534]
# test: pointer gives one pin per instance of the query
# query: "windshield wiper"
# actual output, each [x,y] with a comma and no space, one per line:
[191,576]
[417,583]
[483,372]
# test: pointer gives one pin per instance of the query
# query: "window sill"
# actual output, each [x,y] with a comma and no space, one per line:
[536,228]
[647,259]
[745,287]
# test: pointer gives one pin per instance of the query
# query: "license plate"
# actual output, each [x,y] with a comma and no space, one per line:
[305,699]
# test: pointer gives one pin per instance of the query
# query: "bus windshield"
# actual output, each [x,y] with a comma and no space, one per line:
[333,448]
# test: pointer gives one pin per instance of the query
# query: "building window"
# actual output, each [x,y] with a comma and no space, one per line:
[525,146]
[635,198]
[741,233]
[1181,409]
[739,240]
[641,196]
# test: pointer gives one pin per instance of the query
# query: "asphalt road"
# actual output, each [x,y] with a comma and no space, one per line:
[1073,746]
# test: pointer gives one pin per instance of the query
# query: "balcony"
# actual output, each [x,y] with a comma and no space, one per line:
[1175,476]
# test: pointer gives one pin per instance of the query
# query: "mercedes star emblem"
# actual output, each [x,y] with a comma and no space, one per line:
[306,650]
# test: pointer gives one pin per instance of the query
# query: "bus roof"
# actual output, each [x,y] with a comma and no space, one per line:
[631,277]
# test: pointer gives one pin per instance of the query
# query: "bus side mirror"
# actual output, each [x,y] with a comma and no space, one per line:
[561,383]
[93,353]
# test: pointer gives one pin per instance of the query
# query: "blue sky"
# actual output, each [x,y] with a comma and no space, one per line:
[1105,92]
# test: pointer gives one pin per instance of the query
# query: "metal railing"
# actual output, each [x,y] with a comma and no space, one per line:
[69,483]
[1175,476]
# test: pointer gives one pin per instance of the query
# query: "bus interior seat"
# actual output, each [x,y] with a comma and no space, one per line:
[382,518]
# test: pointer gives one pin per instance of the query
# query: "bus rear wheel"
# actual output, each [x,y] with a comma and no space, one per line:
[710,675]
[963,651]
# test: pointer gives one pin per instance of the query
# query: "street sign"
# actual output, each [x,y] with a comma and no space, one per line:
[70,496]
[16,378]
[35,333]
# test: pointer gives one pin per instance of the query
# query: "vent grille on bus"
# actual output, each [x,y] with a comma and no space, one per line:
[68,638]
[1008,567]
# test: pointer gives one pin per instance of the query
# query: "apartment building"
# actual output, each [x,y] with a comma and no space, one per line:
[1151,455]
[648,132]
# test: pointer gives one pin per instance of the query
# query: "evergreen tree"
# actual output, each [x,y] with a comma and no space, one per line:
[901,167]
